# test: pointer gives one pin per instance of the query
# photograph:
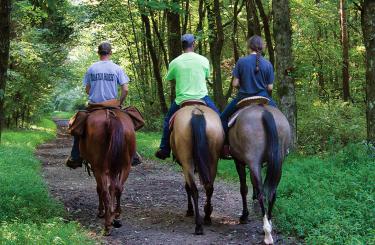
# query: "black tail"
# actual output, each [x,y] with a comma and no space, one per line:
[201,153]
[115,154]
[273,154]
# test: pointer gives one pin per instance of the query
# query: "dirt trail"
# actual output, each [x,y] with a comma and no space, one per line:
[154,203]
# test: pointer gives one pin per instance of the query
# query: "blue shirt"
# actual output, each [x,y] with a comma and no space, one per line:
[252,82]
[103,78]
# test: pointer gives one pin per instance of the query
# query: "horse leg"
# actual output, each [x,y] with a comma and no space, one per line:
[194,192]
[101,204]
[117,222]
[108,205]
[244,190]
[208,206]
[256,179]
[190,210]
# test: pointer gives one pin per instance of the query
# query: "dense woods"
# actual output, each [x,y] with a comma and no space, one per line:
[321,51]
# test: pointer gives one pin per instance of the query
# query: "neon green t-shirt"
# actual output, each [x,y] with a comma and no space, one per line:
[190,71]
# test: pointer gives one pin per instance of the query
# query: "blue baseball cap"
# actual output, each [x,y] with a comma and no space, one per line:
[188,38]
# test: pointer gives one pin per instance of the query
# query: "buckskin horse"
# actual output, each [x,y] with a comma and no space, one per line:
[196,141]
[260,134]
[108,145]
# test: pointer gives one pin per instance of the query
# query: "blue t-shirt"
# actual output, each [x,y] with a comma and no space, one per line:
[103,78]
[252,82]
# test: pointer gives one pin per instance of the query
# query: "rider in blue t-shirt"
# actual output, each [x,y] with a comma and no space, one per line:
[253,75]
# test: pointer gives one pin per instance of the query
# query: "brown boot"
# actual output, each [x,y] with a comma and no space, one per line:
[161,154]
[72,163]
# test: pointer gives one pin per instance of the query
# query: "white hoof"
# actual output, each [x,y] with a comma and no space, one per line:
[267,228]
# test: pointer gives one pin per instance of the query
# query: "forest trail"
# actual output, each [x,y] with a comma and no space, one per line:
[154,203]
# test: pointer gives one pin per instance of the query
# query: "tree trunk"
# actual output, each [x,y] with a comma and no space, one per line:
[284,64]
[368,27]
[186,16]
[174,41]
[345,50]
[216,43]
[5,7]
[155,62]
[253,25]
[267,31]
[201,14]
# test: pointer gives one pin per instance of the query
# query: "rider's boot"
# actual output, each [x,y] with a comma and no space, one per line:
[137,159]
[73,163]
[225,152]
[162,154]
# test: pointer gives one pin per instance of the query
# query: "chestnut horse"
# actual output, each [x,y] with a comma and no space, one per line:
[260,134]
[108,145]
[196,141]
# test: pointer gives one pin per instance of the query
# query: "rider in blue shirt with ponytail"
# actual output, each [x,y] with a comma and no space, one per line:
[254,76]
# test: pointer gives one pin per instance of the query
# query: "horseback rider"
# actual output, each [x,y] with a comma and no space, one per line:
[101,81]
[190,72]
[254,76]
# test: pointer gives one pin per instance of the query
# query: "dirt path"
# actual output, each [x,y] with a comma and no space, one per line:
[154,203]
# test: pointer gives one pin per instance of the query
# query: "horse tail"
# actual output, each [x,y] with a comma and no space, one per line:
[115,154]
[201,153]
[273,154]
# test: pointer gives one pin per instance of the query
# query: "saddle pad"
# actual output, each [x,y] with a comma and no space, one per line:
[258,100]
[171,121]
[233,118]
[192,102]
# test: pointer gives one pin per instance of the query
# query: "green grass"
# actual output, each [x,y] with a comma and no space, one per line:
[62,114]
[326,199]
[28,215]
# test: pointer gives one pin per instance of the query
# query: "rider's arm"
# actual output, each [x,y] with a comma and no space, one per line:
[236,82]
[124,93]
[88,87]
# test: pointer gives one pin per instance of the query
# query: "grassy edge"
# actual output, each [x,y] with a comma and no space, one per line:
[29,215]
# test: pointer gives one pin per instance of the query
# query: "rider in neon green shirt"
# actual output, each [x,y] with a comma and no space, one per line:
[190,71]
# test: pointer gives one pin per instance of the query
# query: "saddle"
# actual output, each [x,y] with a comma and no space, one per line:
[184,104]
[245,103]
[78,122]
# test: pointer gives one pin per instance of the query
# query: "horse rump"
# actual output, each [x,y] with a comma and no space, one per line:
[201,153]
[115,154]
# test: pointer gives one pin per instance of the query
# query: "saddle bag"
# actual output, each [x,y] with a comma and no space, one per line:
[136,117]
[77,123]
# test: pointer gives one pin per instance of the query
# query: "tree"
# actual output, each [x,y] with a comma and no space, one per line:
[284,64]
[253,25]
[174,35]
[5,7]
[368,28]
[216,42]
[345,50]
[267,31]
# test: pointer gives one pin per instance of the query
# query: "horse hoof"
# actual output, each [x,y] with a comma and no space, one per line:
[207,221]
[189,213]
[116,223]
[100,214]
[198,230]
[243,220]
[107,232]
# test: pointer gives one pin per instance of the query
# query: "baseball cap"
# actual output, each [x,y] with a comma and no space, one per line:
[104,48]
[188,38]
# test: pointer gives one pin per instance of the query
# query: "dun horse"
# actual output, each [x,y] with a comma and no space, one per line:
[196,142]
[108,145]
[260,134]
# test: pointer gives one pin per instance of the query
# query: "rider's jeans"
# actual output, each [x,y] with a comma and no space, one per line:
[231,107]
[164,144]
